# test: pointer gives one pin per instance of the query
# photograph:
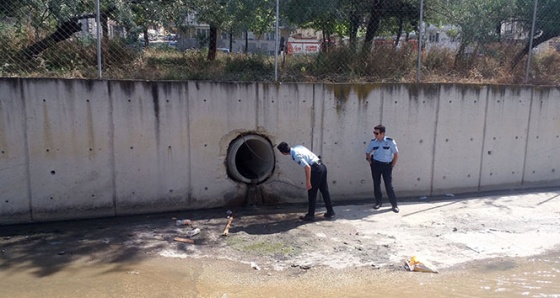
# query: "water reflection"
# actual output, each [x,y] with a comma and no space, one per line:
[168,277]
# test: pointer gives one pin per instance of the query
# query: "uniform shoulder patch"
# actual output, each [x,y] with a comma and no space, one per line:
[373,140]
[390,139]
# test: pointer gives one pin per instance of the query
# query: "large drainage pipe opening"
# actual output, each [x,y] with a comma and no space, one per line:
[250,159]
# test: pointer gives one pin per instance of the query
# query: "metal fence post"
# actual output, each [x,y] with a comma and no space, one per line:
[529,52]
[98,26]
[420,41]
[276,39]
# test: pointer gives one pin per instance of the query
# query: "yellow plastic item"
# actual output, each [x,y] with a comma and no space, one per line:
[415,264]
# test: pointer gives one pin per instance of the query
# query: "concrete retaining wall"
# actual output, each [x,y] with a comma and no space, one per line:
[83,148]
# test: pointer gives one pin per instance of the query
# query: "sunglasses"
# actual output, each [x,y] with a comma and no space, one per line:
[375,133]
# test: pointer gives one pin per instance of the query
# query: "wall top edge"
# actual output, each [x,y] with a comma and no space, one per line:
[327,84]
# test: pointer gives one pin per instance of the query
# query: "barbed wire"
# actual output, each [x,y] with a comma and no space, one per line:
[318,40]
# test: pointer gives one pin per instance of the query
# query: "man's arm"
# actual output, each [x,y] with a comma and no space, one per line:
[307,170]
[395,157]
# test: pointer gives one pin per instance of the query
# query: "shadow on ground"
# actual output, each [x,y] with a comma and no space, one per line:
[47,248]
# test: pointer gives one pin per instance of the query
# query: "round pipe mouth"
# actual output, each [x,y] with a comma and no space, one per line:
[250,159]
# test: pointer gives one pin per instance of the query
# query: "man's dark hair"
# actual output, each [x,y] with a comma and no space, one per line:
[283,147]
[380,127]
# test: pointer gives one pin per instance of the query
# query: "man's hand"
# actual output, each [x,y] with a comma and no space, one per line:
[309,186]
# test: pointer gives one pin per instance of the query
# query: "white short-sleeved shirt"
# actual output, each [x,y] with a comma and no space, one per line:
[382,151]
[303,156]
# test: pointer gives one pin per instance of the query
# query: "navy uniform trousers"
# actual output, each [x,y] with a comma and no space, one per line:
[319,183]
[385,170]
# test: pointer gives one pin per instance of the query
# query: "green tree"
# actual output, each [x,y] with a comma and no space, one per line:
[546,23]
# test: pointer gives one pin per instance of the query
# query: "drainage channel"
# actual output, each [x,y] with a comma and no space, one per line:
[250,159]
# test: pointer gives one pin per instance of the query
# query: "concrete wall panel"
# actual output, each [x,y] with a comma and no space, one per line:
[151,137]
[86,148]
[218,113]
[460,127]
[68,129]
[15,199]
[286,113]
[543,146]
[505,136]
[409,114]
[350,113]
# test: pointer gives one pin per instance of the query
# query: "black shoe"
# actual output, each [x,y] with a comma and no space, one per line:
[396,209]
[377,206]
[307,217]
[329,215]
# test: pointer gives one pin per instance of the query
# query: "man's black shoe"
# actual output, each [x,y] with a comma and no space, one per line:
[396,209]
[377,206]
[307,217]
[329,215]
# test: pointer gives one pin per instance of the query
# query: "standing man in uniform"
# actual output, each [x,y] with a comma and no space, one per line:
[315,178]
[382,154]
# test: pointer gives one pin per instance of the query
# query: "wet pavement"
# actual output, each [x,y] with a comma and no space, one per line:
[498,245]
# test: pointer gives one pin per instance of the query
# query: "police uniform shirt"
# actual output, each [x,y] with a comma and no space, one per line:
[382,150]
[303,156]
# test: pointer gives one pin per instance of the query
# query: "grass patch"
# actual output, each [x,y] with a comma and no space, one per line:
[77,58]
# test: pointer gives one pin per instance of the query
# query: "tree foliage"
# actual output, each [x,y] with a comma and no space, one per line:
[480,21]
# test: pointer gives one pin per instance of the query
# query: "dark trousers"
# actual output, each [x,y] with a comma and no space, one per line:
[319,183]
[385,170]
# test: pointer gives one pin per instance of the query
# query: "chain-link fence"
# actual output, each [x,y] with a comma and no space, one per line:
[283,40]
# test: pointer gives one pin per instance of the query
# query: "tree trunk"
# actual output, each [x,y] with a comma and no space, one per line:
[373,25]
[246,49]
[63,32]
[354,26]
[231,40]
[537,41]
[399,33]
[104,19]
[213,39]
[146,37]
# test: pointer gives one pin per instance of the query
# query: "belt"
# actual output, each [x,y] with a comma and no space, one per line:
[380,162]
[317,163]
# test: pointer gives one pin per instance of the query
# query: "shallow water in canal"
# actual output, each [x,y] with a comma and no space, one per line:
[167,277]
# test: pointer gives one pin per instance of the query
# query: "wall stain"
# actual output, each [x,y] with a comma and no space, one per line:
[155,99]
[467,89]
[429,91]
[47,132]
[88,84]
[91,132]
[69,85]
[3,132]
[128,87]
[342,92]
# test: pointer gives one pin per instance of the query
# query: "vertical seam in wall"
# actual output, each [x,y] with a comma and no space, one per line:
[112,146]
[381,106]
[527,136]
[26,144]
[435,142]
[189,182]
[312,117]
[256,106]
[322,132]
[483,137]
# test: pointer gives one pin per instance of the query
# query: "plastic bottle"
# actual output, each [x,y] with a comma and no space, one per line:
[193,232]
[183,222]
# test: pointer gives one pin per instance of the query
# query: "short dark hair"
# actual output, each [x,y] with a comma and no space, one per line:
[283,147]
[380,127]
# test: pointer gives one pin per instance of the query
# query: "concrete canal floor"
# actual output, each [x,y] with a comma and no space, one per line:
[499,244]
